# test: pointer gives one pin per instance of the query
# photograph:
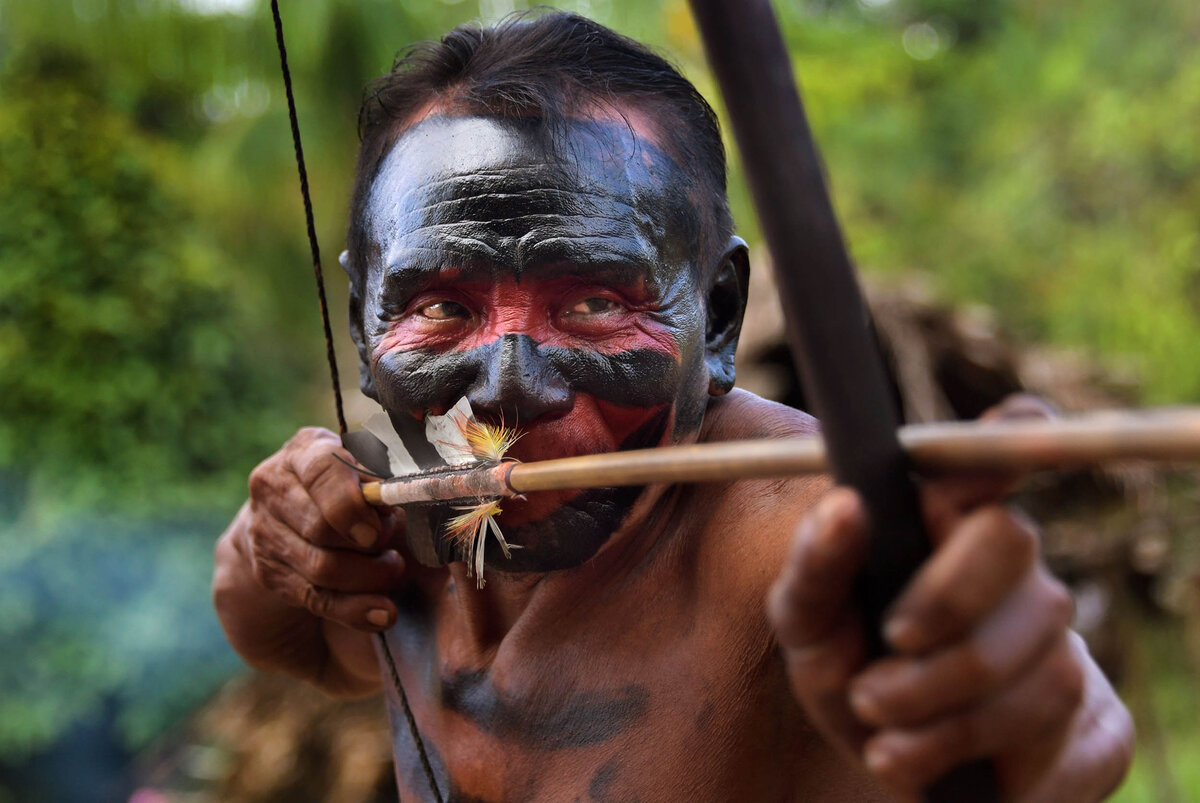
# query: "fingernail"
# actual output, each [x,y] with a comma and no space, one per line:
[900,632]
[865,706]
[379,617]
[363,534]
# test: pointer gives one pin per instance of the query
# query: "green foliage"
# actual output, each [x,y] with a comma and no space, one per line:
[158,332]
[1046,166]
[124,369]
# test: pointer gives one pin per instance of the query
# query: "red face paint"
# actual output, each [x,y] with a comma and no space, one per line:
[559,294]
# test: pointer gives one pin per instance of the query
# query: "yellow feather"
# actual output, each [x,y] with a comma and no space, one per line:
[468,532]
[462,528]
[487,441]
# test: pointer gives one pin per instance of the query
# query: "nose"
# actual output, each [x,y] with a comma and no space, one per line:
[518,384]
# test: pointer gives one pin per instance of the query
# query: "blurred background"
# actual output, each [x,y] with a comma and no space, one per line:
[1019,181]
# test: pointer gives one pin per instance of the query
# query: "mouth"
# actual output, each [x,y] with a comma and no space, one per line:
[562,529]
[587,429]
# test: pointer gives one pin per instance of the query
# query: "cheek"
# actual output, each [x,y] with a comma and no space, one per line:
[640,378]
[592,427]
[416,381]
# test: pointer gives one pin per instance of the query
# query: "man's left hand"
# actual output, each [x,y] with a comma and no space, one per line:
[984,663]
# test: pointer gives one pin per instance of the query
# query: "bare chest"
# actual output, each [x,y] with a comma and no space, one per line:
[666,705]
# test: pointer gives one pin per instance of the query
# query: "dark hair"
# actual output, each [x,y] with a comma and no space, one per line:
[541,67]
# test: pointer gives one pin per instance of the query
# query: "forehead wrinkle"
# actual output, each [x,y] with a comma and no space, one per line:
[412,262]
[536,208]
[589,251]
[620,184]
[537,221]
[625,253]
[525,196]
[431,185]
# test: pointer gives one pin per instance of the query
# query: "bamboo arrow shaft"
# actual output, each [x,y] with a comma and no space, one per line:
[1015,446]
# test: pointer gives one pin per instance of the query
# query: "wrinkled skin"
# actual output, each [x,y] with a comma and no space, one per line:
[551,279]
[627,655]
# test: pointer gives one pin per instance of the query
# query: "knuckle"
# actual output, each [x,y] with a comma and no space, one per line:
[260,540]
[321,568]
[315,600]
[256,534]
[267,573]
[260,482]
[261,574]
[329,478]
[314,527]
[305,436]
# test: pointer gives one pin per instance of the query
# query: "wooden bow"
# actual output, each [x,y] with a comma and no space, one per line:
[828,325]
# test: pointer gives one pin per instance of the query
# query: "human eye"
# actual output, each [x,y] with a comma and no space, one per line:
[595,305]
[443,310]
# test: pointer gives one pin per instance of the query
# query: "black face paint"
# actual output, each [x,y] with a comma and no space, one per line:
[550,278]
[524,381]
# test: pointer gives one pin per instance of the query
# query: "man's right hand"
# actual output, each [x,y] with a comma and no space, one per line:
[305,569]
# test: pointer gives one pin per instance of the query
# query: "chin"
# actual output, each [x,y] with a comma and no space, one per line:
[568,536]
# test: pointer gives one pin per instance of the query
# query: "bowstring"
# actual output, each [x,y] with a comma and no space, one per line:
[331,357]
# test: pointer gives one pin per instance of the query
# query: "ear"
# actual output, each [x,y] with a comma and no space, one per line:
[365,380]
[726,304]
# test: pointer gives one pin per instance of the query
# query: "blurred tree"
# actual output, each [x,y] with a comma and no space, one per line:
[124,372]
[158,332]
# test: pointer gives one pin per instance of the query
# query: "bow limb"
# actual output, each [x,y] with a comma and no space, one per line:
[828,326]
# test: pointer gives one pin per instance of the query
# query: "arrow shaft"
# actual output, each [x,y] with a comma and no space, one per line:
[1008,446]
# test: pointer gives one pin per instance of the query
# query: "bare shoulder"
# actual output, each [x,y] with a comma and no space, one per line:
[743,415]
[750,522]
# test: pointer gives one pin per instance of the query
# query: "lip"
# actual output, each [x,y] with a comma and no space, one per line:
[591,427]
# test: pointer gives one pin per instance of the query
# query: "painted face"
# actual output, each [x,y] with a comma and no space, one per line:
[552,281]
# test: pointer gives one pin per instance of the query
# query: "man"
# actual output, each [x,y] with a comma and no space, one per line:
[539,223]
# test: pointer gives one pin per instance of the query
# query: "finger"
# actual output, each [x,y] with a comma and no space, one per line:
[945,501]
[979,565]
[1097,753]
[345,570]
[334,569]
[946,498]
[336,490]
[367,612]
[370,611]
[291,505]
[1042,703]
[277,492]
[905,691]
[281,491]
[819,674]
[817,578]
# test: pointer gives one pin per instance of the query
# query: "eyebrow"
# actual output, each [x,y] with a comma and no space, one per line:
[474,260]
